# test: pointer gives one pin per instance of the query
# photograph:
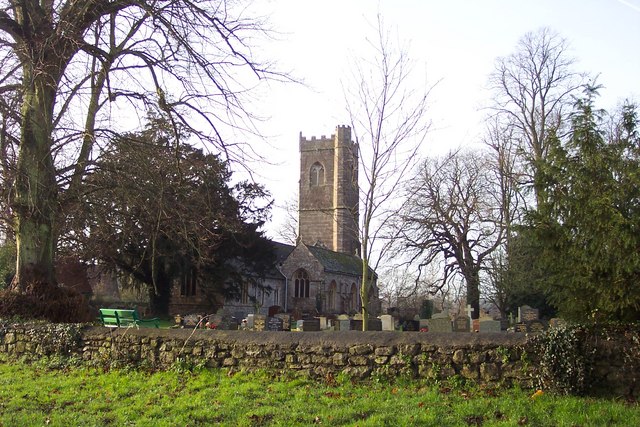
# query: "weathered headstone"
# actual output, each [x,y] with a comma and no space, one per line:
[527,314]
[388,323]
[250,319]
[411,325]
[344,324]
[191,320]
[274,324]
[374,325]
[441,315]
[273,310]
[441,324]
[311,325]
[521,327]
[228,324]
[356,325]
[323,323]
[490,325]
[462,324]
[469,310]
[536,326]
[259,322]
[557,322]
[286,320]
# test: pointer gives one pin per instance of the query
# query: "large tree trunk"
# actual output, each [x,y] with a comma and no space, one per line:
[473,292]
[35,199]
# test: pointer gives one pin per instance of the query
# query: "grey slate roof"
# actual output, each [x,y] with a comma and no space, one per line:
[336,262]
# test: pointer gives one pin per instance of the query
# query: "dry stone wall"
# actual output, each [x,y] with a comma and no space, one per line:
[485,358]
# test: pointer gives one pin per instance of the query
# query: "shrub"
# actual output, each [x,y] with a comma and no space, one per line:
[565,356]
[45,301]
[568,356]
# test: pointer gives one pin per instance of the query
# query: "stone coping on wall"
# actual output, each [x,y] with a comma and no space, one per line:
[340,338]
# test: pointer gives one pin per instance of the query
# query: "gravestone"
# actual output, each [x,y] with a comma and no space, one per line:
[286,320]
[250,320]
[323,323]
[411,325]
[440,324]
[259,322]
[344,324]
[388,323]
[357,316]
[462,324]
[521,327]
[274,324]
[356,325]
[557,323]
[527,314]
[228,324]
[490,325]
[273,310]
[423,324]
[309,325]
[441,315]
[374,325]
[191,320]
[536,326]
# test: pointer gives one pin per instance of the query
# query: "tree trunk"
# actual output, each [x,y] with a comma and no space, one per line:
[364,287]
[473,293]
[35,203]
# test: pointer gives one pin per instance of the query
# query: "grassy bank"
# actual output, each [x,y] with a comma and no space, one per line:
[38,395]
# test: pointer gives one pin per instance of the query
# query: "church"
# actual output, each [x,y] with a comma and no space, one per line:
[322,273]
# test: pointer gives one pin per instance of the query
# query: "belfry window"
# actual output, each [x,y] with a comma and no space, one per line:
[316,175]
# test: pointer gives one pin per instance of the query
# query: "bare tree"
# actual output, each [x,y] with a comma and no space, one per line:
[507,174]
[532,87]
[79,68]
[288,230]
[389,121]
[454,214]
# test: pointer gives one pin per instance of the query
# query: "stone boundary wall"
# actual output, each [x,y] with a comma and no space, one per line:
[485,358]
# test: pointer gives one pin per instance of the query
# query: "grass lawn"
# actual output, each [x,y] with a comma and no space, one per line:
[39,395]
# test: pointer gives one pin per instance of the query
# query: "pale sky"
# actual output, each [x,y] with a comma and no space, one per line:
[455,42]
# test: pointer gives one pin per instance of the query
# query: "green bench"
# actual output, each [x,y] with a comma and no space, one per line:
[119,318]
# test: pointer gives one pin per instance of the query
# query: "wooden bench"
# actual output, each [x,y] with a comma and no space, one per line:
[119,318]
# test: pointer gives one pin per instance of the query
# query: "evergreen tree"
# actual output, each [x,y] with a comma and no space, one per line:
[588,227]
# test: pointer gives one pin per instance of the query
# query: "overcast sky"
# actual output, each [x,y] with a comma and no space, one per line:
[455,42]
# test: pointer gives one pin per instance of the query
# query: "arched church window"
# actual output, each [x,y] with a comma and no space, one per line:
[301,284]
[316,176]
[331,296]
[354,298]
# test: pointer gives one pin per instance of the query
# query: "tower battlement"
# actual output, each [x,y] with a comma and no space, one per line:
[328,204]
[342,131]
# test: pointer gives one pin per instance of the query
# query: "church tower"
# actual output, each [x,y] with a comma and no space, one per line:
[328,205]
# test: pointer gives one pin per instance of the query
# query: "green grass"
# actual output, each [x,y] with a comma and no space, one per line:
[36,395]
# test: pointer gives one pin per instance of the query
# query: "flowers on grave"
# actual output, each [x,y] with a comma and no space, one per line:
[210,325]
[537,394]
